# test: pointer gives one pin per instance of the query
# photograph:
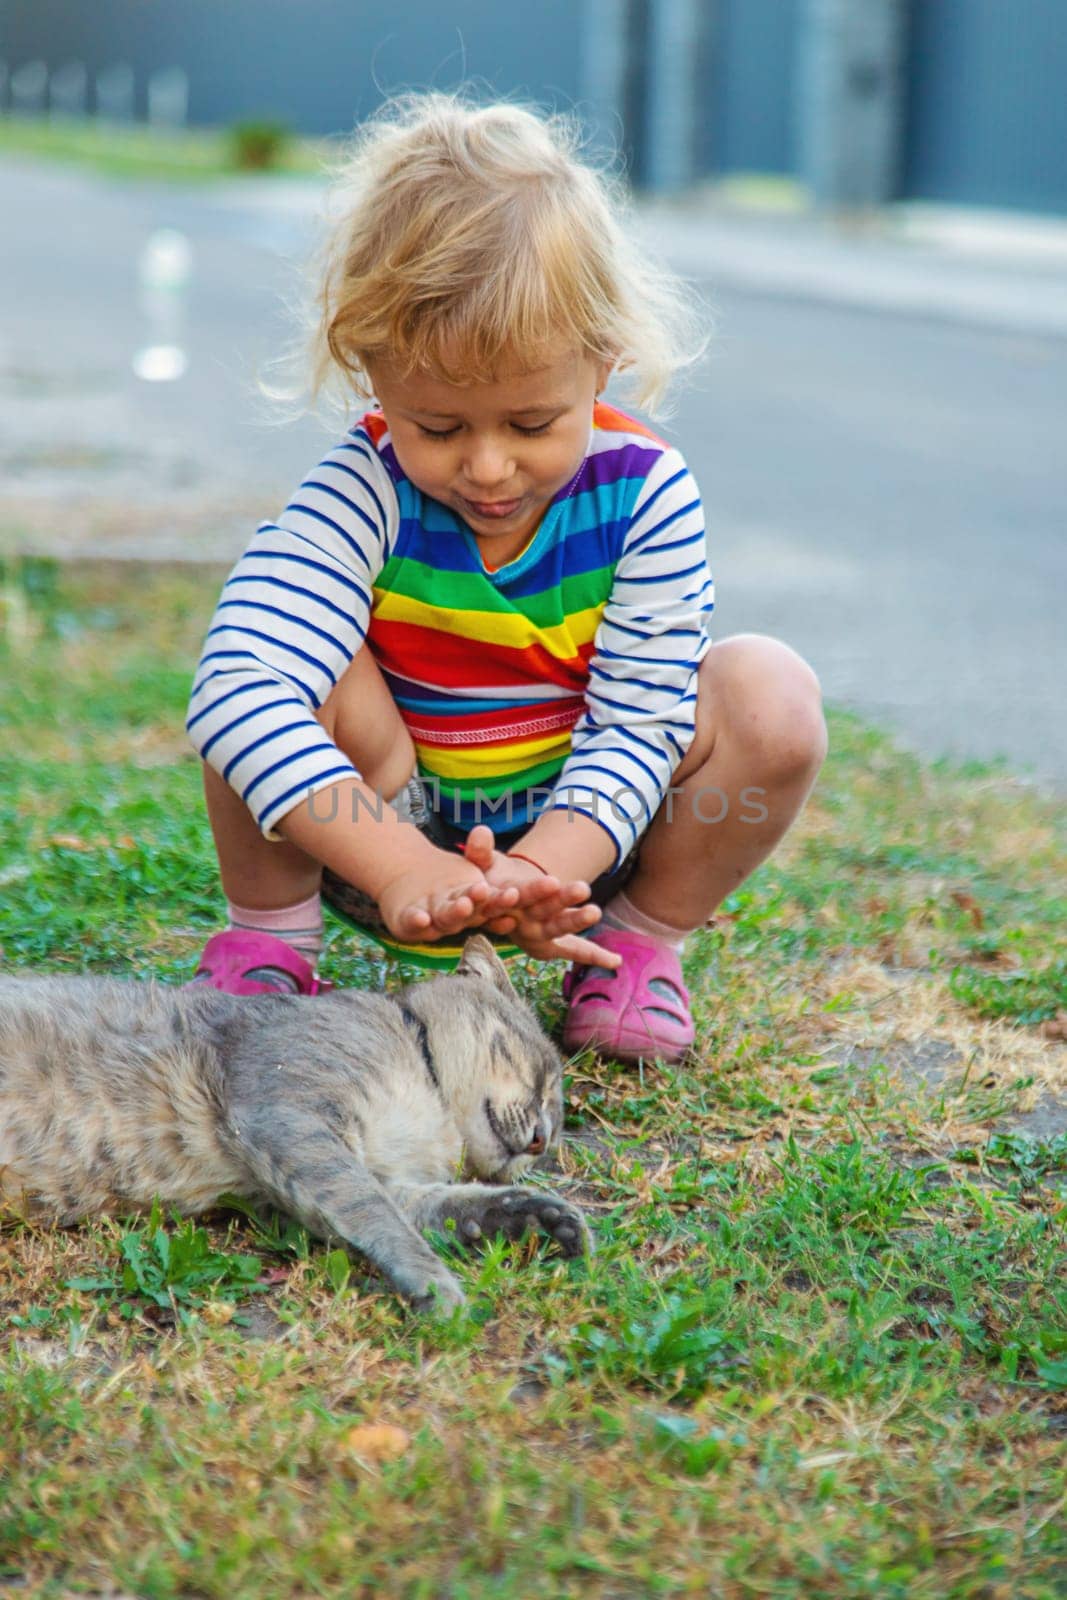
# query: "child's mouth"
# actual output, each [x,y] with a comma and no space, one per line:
[496,510]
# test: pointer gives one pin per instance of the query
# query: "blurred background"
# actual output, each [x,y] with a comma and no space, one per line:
[870,194]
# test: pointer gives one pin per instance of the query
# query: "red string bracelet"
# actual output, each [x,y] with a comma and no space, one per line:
[518,856]
[512,854]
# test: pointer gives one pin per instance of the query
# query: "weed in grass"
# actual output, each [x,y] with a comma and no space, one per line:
[697,1450]
[173,1267]
[1033,1164]
[1029,996]
[673,1347]
[1031,1158]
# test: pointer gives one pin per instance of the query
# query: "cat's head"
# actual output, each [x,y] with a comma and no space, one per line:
[502,1076]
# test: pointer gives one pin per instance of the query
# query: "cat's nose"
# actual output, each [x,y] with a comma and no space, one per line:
[538,1139]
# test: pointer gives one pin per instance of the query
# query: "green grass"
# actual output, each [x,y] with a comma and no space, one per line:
[172,1267]
[821,1350]
[132,150]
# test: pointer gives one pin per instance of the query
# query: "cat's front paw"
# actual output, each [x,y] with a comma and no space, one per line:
[516,1211]
[441,1296]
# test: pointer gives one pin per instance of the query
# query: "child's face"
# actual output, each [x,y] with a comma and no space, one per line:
[496,453]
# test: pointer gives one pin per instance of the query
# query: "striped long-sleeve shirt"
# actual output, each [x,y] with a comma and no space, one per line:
[565,679]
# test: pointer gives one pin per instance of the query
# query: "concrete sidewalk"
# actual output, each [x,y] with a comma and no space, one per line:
[982,269]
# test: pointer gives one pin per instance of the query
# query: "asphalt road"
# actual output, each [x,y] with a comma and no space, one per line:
[886,491]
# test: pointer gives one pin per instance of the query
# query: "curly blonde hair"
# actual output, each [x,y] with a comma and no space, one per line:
[468,235]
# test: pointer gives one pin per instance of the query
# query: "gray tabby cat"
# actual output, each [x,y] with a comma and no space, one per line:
[350,1111]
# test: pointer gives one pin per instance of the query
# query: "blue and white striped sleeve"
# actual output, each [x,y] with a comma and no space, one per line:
[640,713]
[291,617]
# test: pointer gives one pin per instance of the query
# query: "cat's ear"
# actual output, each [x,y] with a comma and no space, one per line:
[480,960]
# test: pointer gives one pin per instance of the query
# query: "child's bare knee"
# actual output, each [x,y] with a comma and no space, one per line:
[770,698]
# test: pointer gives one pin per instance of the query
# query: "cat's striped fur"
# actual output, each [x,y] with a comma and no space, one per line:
[351,1111]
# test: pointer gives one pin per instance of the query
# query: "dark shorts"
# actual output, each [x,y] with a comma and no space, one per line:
[360,911]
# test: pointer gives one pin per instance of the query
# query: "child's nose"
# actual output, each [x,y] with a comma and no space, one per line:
[488,462]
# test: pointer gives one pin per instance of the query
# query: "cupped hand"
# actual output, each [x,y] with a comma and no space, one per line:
[549,901]
[548,917]
[451,893]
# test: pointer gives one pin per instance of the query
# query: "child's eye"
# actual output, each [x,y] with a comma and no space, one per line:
[446,433]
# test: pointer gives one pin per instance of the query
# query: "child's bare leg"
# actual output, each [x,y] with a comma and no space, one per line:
[760,742]
[361,717]
[254,872]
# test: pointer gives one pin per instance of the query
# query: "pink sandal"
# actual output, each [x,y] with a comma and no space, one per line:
[639,1012]
[242,962]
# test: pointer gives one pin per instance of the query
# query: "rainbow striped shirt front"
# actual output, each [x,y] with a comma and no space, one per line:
[564,679]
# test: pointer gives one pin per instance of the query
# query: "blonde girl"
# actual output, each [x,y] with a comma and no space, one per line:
[465,679]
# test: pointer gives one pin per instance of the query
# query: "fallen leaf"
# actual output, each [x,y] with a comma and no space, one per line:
[1055,1027]
[377,1441]
[69,841]
[968,903]
[217,1313]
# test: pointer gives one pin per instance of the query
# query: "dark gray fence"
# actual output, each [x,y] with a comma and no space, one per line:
[749,56]
[318,65]
[987,84]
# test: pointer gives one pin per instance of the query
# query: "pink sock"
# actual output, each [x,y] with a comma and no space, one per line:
[299,925]
[621,913]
